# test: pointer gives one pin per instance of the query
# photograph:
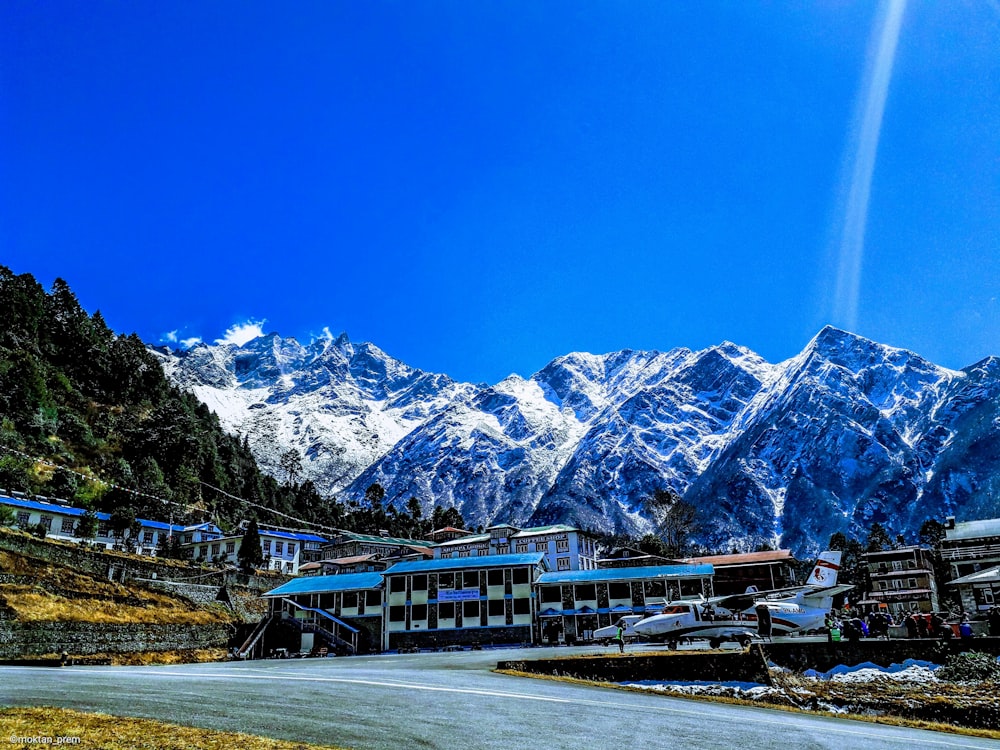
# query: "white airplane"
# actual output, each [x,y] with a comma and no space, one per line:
[607,634]
[734,618]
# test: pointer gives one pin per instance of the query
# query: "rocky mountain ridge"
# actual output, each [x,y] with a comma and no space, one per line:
[846,433]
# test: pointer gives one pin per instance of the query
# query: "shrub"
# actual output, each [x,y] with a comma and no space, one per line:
[970,666]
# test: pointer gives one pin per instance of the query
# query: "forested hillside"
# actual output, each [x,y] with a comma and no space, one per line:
[78,400]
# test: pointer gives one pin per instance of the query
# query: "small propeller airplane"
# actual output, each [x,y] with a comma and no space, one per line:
[734,617]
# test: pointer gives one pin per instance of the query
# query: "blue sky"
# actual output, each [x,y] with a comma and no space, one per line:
[480,187]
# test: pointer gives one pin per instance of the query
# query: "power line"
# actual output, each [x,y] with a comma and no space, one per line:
[92,478]
[276,512]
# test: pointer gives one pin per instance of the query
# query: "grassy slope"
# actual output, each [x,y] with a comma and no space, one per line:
[112,733]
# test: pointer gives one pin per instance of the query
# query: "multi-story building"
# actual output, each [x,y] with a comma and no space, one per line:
[282,549]
[971,546]
[461,601]
[902,580]
[350,544]
[766,570]
[572,604]
[342,610]
[61,520]
[489,599]
[564,547]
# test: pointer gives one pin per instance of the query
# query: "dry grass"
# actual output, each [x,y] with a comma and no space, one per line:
[113,733]
[42,607]
[60,594]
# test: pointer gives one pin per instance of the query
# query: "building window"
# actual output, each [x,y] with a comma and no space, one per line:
[350,600]
[503,549]
[66,527]
[551,594]
[46,522]
[520,576]
[373,599]
[147,537]
[446,611]
[265,545]
[419,583]
[203,552]
[291,549]
[521,547]
[470,610]
[230,547]
[464,553]
[494,608]
[541,546]
[279,548]
[562,545]
[470,579]
[494,577]
[397,585]
[586,592]
[418,612]
[619,591]
[446,580]
[215,550]
[562,563]
[911,583]
[188,538]
[522,606]
[23,517]
[397,613]
[482,553]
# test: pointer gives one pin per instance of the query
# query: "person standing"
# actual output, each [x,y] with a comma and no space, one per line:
[763,621]
[621,638]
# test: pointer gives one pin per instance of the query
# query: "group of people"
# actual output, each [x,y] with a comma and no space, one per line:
[853,626]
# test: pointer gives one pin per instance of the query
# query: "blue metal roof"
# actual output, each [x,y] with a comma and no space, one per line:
[67,510]
[464,563]
[292,535]
[649,573]
[328,584]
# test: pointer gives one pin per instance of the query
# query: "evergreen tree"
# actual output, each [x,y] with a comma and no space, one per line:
[251,555]
[878,539]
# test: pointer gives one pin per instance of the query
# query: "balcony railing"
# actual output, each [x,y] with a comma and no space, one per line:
[971,553]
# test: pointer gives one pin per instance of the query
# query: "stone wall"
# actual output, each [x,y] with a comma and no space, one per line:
[748,666]
[25,639]
[120,566]
[825,656]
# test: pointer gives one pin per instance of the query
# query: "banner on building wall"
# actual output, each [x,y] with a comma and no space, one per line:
[462,595]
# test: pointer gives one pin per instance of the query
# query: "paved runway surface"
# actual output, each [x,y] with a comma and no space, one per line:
[443,700]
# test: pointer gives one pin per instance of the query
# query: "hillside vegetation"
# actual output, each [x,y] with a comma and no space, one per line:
[78,396]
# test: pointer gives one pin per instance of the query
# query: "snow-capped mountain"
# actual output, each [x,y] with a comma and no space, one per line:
[846,433]
[341,406]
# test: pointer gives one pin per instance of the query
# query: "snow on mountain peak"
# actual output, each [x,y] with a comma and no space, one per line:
[847,432]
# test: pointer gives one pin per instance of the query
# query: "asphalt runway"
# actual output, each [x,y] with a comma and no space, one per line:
[438,700]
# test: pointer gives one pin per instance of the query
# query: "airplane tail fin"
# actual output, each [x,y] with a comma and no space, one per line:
[824,572]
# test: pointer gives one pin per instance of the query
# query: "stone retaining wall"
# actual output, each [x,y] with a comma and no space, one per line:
[884,653]
[25,639]
[748,666]
[119,566]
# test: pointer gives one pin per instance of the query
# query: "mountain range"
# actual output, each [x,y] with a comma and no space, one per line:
[846,433]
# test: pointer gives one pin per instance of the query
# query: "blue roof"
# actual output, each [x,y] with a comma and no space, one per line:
[70,511]
[648,573]
[327,584]
[463,563]
[292,535]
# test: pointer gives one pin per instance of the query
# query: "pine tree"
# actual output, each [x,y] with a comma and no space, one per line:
[251,555]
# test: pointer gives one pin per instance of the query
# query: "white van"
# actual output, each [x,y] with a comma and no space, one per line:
[604,636]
